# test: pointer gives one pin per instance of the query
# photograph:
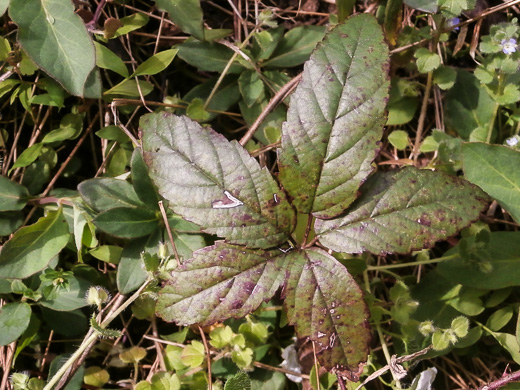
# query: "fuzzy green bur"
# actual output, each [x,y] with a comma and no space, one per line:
[329,142]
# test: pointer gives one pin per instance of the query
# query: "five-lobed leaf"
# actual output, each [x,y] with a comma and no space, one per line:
[399,211]
[335,119]
[215,183]
[325,303]
[220,282]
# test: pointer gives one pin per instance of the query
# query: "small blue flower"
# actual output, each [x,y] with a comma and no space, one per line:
[508,46]
[512,141]
[452,22]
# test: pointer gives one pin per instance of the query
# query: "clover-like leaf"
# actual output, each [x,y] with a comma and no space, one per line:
[403,210]
[220,282]
[325,304]
[215,183]
[335,119]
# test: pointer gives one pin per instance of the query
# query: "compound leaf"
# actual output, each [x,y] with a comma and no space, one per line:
[33,247]
[403,210]
[56,39]
[219,282]
[336,118]
[325,304]
[215,183]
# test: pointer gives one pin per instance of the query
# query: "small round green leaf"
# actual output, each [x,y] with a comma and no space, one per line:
[14,319]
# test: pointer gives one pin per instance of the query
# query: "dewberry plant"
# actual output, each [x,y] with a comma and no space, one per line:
[281,231]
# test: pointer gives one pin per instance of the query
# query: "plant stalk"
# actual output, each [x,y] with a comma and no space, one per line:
[93,337]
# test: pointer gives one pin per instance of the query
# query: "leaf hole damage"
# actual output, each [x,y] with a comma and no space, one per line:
[228,203]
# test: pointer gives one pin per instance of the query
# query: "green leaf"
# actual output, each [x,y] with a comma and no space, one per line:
[196,111]
[193,354]
[28,156]
[460,326]
[96,376]
[510,343]
[403,210]
[426,60]
[107,253]
[70,298]
[131,23]
[207,56]
[295,47]
[61,134]
[423,5]
[156,63]
[127,222]
[13,196]
[335,119]
[56,39]
[239,381]
[494,169]
[444,77]
[468,105]
[113,133]
[440,340]
[14,319]
[187,14]
[165,381]
[131,272]
[219,282]
[399,139]
[500,318]
[32,247]
[226,96]
[142,183]
[10,221]
[107,59]
[453,8]
[102,194]
[215,183]
[325,303]
[251,86]
[133,355]
[130,88]
[491,266]
[3,6]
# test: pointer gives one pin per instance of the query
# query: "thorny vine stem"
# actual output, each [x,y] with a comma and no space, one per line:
[513,377]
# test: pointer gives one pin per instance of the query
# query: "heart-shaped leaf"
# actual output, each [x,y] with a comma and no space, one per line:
[325,304]
[220,282]
[335,119]
[403,210]
[214,182]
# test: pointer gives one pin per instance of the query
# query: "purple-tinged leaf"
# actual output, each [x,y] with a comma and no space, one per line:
[215,183]
[336,119]
[399,211]
[325,303]
[220,282]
